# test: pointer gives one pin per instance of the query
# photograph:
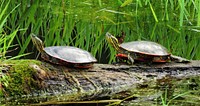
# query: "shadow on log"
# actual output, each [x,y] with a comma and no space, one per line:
[50,83]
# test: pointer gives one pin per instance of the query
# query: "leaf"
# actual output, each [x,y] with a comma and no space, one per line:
[127,2]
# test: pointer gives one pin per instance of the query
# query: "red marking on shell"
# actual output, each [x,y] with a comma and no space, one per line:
[122,55]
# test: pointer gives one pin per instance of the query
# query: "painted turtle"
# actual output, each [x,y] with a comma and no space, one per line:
[145,51]
[64,55]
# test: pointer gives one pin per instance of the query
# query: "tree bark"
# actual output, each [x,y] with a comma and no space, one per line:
[59,83]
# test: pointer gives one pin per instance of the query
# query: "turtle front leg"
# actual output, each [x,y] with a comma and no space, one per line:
[130,59]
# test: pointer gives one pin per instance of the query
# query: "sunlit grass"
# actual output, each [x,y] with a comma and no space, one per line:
[6,40]
[168,101]
[83,24]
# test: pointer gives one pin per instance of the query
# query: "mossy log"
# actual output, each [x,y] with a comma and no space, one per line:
[30,81]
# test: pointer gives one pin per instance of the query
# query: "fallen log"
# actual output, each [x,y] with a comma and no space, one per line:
[30,81]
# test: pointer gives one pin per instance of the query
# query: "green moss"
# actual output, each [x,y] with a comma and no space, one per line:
[21,77]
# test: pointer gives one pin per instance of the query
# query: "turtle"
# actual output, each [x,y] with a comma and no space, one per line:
[142,51]
[64,55]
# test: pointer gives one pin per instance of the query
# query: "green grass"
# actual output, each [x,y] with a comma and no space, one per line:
[83,23]
[7,38]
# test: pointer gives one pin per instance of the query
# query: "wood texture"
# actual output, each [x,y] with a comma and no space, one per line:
[59,83]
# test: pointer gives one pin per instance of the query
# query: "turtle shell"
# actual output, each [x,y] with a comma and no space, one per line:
[67,55]
[145,51]
[145,47]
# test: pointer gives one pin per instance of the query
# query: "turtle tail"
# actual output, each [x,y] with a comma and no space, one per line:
[179,59]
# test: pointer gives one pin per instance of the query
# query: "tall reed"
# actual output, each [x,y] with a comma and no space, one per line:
[174,24]
[6,40]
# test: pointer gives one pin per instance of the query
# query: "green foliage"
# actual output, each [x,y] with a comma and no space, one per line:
[6,40]
[83,23]
[185,92]
[166,102]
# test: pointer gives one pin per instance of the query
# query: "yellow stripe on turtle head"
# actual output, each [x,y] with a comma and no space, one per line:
[113,41]
[37,42]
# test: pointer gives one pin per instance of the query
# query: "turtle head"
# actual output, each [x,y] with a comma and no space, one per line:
[113,41]
[37,42]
